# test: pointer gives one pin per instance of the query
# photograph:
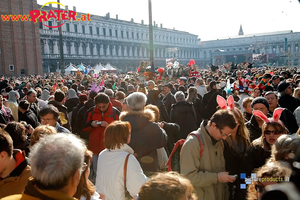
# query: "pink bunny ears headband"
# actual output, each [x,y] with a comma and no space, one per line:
[223,104]
[276,115]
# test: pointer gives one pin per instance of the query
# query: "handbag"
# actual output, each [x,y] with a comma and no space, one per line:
[127,195]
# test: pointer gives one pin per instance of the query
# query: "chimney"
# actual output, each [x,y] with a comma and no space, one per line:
[74,8]
[131,20]
[142,22]
[66,7]
[117,17]
[161,26]
[107,15]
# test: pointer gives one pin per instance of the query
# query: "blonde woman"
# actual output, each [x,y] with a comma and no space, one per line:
[296,93]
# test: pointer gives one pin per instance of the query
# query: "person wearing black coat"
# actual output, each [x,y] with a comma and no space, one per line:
[286,99]
[76,126]
[183,114]
[169,99]
[72,100]
[210,101]
[25,114]
[154,100]
[172,130]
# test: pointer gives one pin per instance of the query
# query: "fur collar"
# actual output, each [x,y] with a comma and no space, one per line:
[149,114]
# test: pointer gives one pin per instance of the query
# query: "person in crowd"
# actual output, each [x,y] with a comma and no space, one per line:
[12,103]
[183,114]
[81,115]
[209,100]
[120,96]
[117,162]
[45,95]
[287,118]
[47,182]
[26,114]
[32,99]
[296,93]
[59,98]
[130,89]
[86,189]
[201,89]
[257,92]
[117,104]
[169,185]
[197,103]
[286,99]
[41,131]
[150,85]
[247,107]
[4,119]
[18,133]
[275,82]
[14,168]
[98,118]
[74,124]
[207,172]
[152,98]
[171,129]
[276,170]
[168,99]
[255,123]
[49,114]
[72,100]
[146,136]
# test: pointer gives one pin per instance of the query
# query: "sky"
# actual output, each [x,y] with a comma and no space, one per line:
[209,19]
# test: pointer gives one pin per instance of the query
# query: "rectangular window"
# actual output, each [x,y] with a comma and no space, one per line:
[104,31]
[127,33]
[97,30]
[110,32]
[122,34]
[137,36]
[132,35]
[83,28]
[68,27]
[91,30]
[41,25]
[50,24]
[116,33]
[142,36]
[75,28]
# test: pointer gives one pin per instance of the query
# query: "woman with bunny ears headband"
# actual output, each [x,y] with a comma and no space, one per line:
[235,145]
[260,149]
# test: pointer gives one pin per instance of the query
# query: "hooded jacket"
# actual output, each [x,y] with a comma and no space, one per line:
[72,100]
[183,114]
[146,137]
[13,104]
[45,95]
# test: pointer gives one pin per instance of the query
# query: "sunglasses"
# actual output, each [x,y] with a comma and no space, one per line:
[260,188]
[272,132]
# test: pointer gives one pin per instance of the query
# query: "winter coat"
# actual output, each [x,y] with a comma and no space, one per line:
[146,137]
[203,172]
[45,95]
[3,116]
[289,120]
[34,108]
[201,90]
[13,104]
[72,100]
[183,114]
[154,100]
[172,130]
[253,127]
[289,102]
[169,100]
[61,129]
[210,103]
[29,117]
[74,124]
[96,139]
[117,104]
[199,111]
[15,183]
[110,173]
[63,114]
[81,118]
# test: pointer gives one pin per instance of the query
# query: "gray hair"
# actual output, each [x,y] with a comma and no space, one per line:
[136,101]
[284,145]
[109,92]
[55,159]
[130,88]
[179,96]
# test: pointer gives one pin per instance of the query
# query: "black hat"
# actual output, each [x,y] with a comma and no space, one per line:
[275,77]
[282,86]
[260,100]
[212,83]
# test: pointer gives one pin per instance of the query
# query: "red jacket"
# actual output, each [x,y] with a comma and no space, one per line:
[96,139]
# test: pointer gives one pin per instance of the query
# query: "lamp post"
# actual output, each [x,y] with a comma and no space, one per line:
[151,36]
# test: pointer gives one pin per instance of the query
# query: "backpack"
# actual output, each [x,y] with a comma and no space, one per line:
[174,158]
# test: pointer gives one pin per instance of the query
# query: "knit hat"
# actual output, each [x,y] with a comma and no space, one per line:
[260,100]
[282,86]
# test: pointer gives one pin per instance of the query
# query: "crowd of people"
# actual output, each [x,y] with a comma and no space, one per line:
[111,136]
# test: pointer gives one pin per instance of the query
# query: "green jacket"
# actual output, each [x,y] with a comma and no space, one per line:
[203,172]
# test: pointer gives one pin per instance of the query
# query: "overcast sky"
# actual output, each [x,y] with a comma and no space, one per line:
[209,19]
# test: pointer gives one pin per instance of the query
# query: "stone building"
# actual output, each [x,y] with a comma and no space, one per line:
[112,40]
[20,50]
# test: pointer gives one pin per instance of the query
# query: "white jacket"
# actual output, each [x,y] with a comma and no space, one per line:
[110,173]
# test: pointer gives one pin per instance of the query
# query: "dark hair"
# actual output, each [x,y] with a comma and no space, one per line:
[74,86]
[271,92]
[6,143]
[224,118]
[92,94]
[82,98]
[17,131]
[101,98]
[49,109]
[59,95]
[24,104]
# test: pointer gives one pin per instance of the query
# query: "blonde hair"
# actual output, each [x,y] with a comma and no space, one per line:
[271,169]
[242,131]
[192,95]
[155,110]
[41,131]
[296,93]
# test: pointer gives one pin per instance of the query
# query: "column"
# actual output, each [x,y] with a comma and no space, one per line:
[46,47]
[65,47]
[87,49]
[119,51]
[101,50]
[80,48]
[114,50]
[135,51]
[94,49]
[55,47]
[72,48]
[145,52]
[107,51]
[125,51]
[130,51]
[141,52]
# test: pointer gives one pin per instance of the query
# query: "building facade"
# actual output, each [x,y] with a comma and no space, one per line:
[277,49]
[20,50]
[121,43]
